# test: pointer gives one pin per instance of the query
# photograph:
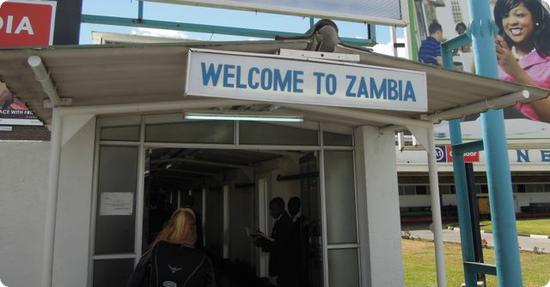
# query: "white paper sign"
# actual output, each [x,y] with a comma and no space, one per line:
[273,78]
[116,203]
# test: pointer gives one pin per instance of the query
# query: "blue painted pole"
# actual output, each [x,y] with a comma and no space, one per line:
[463,205]
[496,154]
[140,10]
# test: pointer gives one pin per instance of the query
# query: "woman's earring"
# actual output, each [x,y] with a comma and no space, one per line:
[537,24]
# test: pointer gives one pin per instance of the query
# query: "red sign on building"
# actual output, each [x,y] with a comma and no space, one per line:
[23,23]
[468,157]
[27,23]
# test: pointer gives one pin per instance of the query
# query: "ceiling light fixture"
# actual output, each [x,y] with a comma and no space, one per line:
[243,116]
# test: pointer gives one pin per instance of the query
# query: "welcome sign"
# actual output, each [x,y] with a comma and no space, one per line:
[272,78]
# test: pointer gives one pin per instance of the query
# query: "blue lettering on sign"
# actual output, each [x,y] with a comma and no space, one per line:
[212,74]
[545,155]
[351,83]
[291,81]
[331,84]
[282,83]
[251,82]
[297,80]
[318,78]
[266,79]
[362,91]
[393,94]
[522,155]
[409,92]
[378,92]
[240,85]
[227,75]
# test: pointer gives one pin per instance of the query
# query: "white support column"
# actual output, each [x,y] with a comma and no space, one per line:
[437,227]
[425,136]
[378,207]
[140,194]
[51,204]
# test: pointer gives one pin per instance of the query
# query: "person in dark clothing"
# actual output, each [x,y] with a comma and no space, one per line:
[172,261]
[430,49]
[299,243]
[278,245]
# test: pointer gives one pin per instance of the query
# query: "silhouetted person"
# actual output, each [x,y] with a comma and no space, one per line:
[278,245]
[299,243]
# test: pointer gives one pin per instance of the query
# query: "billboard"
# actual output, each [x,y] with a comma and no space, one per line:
[23,23]
[522,49]
[275,78]
[373,11]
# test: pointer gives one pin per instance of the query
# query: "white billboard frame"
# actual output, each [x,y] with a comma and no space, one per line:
[238,5]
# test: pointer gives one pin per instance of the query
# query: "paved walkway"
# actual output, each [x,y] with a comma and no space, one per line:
[525,243]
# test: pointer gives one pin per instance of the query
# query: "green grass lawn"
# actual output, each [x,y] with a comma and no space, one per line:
[419,263]
[526,226]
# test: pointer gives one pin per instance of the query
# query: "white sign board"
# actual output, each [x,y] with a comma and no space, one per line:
[273,78]
[116,203]
[372,11]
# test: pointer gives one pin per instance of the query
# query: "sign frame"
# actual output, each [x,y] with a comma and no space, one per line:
[336,100]
[237,5]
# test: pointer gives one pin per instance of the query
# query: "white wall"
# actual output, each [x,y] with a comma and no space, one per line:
[378,206]
[23,187]
[72,234]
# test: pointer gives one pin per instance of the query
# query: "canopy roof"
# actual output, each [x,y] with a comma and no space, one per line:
[146,73]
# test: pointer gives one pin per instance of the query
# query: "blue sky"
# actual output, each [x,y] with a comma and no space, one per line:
[211,16]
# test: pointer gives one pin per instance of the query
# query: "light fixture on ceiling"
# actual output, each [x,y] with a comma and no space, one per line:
[243,116]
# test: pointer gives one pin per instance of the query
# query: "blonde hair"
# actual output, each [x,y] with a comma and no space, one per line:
[180,229]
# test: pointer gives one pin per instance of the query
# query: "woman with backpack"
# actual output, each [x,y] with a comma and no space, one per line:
[172,260]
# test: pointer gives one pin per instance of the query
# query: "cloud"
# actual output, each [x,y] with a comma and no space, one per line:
[387,49]
[163,33]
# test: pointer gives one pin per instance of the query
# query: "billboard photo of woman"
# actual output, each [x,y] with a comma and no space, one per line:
[523,51]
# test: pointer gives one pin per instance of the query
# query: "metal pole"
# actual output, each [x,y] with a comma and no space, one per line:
[496,154]
[393,39]
[51,205]
[462,203]
[413,40]
[437,227]
[501,200]
[140,10]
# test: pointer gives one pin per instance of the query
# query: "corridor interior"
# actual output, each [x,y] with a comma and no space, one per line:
[230,190]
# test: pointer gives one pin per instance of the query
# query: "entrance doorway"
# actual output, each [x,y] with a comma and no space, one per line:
[230,191]
[146,166]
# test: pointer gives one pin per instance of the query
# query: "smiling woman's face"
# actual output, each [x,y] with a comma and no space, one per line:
[518,24]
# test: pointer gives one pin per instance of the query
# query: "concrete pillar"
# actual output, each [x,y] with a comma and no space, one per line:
[378,207]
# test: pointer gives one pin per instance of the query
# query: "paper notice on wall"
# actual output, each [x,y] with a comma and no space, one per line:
[116,203]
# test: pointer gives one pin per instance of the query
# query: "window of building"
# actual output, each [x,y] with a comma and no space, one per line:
[534,188]
[520,188]
[422,189]
[483,188]
[457,13]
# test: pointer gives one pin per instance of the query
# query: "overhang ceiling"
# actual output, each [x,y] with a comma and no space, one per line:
[144,73]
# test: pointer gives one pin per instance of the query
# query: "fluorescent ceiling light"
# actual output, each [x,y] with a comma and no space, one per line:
[243,116]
